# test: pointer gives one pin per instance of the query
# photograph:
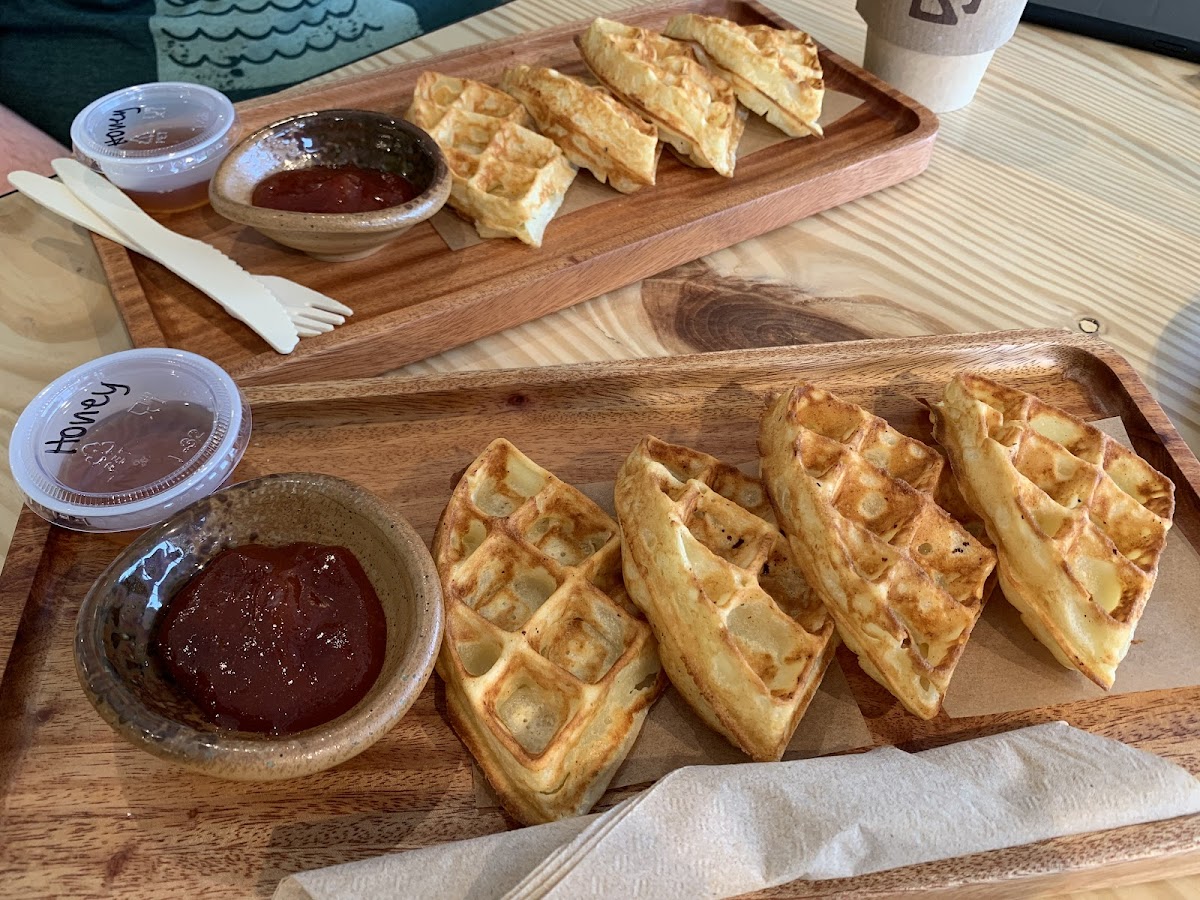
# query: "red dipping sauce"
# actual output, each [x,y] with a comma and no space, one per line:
[333,189]
[275,639]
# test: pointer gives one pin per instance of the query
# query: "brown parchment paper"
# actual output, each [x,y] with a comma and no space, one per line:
[586,191]
[1004,668]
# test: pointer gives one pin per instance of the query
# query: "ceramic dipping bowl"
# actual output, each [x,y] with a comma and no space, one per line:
[127,685]
[332,137]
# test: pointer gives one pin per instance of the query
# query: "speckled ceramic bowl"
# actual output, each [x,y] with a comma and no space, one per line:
[117,620]
[333,137]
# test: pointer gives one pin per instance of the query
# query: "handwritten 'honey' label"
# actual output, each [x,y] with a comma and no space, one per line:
[121,121]
[84,417]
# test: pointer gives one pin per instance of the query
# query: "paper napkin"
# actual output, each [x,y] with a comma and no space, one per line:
[717,831]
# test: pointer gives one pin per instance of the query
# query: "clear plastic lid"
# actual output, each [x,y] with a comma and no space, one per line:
[124,441]
[157,130]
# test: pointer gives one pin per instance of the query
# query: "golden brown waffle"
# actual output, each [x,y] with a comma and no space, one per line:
[695,110]
[1079,521]
[549,670]
[508,179]
[595,131]
[903,580]
[740,633]
[774,72]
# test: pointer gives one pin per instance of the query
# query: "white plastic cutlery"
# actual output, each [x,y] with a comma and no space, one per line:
[202,265]
[305,303]
[58,198]
[311,312]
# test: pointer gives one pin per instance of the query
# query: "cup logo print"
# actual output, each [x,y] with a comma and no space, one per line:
[945,14]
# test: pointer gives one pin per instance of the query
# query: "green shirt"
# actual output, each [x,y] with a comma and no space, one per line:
[56,56]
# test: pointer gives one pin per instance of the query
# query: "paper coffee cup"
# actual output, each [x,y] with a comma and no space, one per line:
[936,51]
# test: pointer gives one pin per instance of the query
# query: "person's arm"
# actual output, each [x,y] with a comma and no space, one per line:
[24,146]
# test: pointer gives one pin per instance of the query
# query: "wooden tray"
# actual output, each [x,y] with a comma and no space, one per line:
[417,297]
[85,812]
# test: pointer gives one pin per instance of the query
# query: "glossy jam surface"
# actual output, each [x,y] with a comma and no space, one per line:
[136,447]
[333,189]
[275,639]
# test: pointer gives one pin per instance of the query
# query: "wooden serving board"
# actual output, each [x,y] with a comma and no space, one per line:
[85,813]
[417,297]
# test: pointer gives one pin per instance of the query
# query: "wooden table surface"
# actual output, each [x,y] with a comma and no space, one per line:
[1067,195]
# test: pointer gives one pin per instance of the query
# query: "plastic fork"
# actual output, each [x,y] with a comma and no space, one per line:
[310,311]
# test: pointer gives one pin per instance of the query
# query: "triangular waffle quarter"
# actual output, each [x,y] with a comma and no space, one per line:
[902,579]
[775,72]
[594,130]
[508,179]
[743,638]
[695,109]
[549,669]
[1078,520]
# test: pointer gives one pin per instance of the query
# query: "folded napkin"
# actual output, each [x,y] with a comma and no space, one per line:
[717,831]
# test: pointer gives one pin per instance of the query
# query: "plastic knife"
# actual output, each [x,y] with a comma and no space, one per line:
[310,311]
[199,263]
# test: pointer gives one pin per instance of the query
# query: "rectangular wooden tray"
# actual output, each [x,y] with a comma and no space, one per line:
[84,812]
[417,297]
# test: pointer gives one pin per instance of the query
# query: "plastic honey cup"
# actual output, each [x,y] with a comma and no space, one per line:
[126,440]
[159,142]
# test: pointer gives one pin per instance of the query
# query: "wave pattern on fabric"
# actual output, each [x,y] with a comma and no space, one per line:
[234,45]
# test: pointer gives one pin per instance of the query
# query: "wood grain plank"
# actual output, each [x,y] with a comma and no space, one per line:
[85,813]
